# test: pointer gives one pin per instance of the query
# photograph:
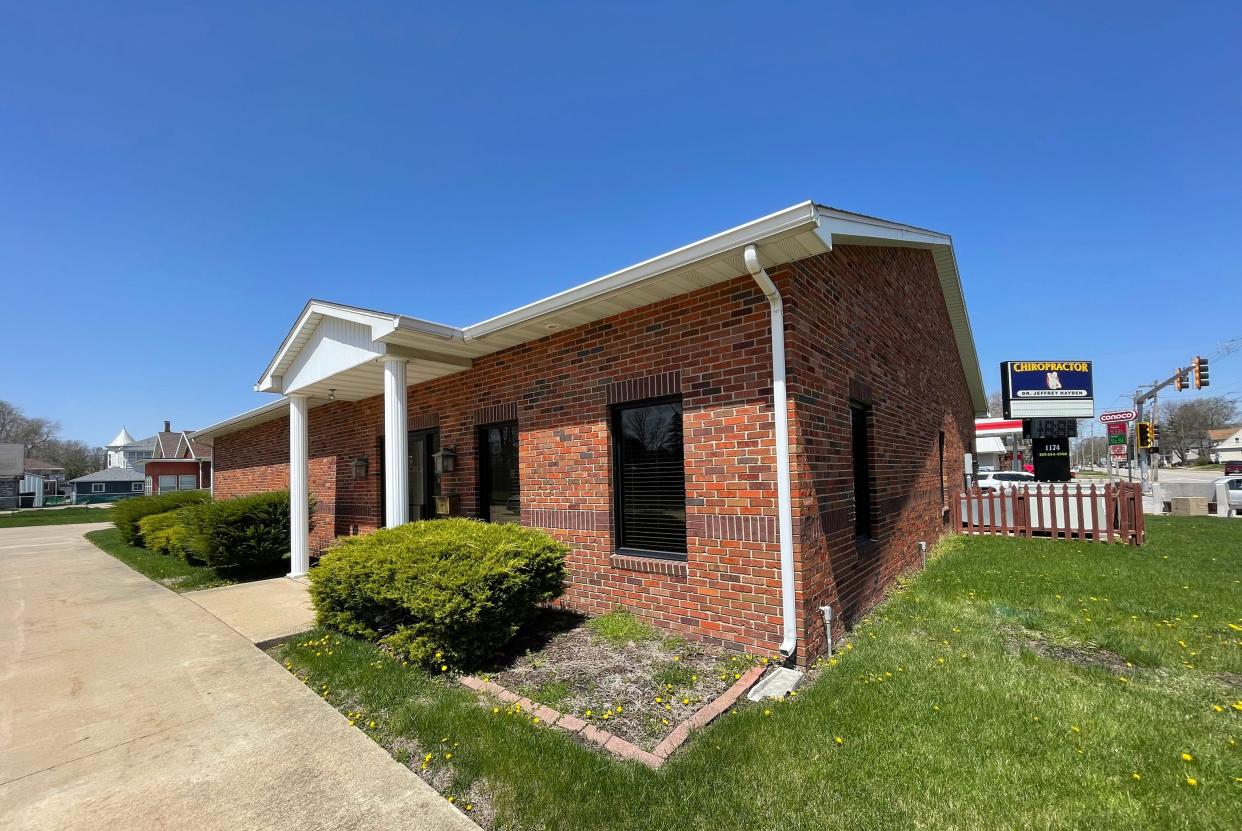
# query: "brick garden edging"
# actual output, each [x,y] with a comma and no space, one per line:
[615,744]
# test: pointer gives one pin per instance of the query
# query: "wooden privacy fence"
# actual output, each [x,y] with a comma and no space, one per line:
[1111,513]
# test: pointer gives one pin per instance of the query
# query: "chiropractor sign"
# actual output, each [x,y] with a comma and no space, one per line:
[1047,389]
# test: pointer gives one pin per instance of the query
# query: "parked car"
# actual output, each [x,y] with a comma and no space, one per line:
[1234,484]
[1000,479]
[1233,468]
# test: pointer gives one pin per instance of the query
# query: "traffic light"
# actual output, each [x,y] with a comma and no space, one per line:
[1155,437]
[1200,369]
[1179,381]
[1142,434]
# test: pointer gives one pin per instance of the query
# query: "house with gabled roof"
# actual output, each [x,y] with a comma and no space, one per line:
[179,462]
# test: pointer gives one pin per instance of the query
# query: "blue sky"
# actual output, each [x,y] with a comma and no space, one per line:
[176,181]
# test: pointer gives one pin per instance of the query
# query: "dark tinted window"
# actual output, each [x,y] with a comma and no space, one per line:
[650,478]
[861,450]
[498,473]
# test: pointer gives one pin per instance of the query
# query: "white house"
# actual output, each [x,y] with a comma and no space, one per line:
[1226,444]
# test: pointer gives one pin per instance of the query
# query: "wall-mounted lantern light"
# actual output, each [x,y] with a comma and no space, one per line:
[445,458]
[360,467]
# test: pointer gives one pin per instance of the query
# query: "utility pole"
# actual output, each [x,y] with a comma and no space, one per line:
[1140,399]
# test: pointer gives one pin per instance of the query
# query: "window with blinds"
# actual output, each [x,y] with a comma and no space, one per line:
[650,478]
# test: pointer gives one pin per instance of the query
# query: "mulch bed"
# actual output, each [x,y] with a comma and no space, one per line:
[639,690]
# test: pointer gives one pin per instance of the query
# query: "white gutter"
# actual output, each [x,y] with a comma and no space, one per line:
[780,405]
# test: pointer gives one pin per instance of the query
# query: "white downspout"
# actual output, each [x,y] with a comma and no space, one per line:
[780,410]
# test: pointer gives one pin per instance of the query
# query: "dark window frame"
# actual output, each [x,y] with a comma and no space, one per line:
[483,465]
[861,470]
[615,413]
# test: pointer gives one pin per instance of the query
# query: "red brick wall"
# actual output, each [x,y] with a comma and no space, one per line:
[155,468]
[869,324]
[713,346]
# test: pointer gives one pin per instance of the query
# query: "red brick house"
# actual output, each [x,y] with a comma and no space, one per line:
[715,484]
[179,462]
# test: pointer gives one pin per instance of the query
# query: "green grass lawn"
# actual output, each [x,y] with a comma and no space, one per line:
[57,516]
[1014,684]
[170,571]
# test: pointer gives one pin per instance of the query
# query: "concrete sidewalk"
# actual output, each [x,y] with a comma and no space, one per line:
[124,705]
[265,612]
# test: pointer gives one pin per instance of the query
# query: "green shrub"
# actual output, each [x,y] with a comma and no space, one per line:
[127,513]
[169,532]
[452,590]
[249,532]
[154,529]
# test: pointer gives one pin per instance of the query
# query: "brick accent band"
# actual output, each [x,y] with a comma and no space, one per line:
[495,413]
[650,565]
[566,520]
[649,386]
[732,527]
[424,421]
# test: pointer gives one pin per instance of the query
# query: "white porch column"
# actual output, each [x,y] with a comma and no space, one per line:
[396,444]
[299,493]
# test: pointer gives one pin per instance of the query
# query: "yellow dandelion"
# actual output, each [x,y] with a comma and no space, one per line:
[685,701]
[1136,776]
[838,740]
[1186,757]
[767,712]
[443,667]
[1191,781]
[371,724]
[1075,728]
[448,755]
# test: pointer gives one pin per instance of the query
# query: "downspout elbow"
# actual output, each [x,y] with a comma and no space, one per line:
[780,410]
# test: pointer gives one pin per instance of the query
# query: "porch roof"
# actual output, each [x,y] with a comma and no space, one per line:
[336,351]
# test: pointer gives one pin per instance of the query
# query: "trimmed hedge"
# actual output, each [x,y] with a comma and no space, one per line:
[454,590]
[246,532]
[169,532]
[154,530]
[127,513]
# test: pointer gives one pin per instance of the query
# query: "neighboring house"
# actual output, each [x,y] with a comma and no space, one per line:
[48,470]
[12,472]
[179,462]
[1226,444]
[42,482]
[125,451]
[641,419]
[107,485]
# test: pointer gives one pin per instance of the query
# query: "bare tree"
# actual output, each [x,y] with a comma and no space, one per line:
[38,435]
[18,428]
[996,406]
[1184,425]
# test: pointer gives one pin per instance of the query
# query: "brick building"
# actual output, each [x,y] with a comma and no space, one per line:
[179,462]
[716,486]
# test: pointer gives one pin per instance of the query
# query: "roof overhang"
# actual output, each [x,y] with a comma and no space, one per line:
[251,418]
[337,351]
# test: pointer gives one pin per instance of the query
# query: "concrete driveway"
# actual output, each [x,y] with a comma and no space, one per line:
[124,705]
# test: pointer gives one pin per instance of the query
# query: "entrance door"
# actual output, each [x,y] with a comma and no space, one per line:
[424,481]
